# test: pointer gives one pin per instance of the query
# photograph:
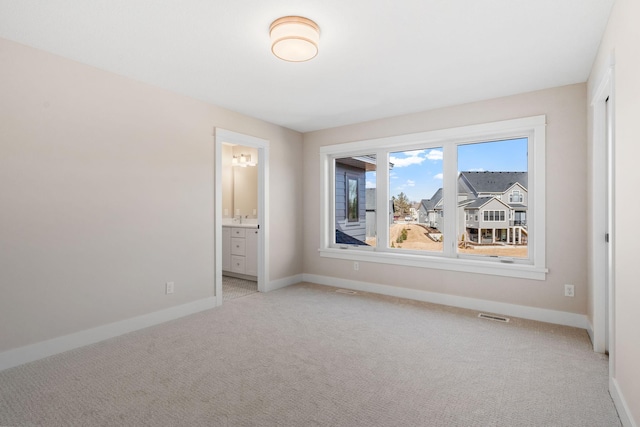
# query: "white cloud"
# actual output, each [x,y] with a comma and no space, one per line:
[412,159]
[411,183]
[437,176]
[434,155]
[370,184]
[415,157]
[413,153]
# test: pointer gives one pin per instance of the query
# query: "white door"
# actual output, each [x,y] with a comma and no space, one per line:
[609,225]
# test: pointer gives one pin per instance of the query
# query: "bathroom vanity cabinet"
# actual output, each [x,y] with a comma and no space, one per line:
[240,250]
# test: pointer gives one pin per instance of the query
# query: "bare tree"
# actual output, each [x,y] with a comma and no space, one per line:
[401,205]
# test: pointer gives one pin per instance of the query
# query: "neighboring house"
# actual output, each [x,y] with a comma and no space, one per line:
[422,211]
[427,212]
[493,207]
[414,211]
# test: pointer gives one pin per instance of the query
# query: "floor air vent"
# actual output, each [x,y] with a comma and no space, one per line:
[346,291]
[492,317]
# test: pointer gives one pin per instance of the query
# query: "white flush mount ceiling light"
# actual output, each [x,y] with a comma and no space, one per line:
[294,38]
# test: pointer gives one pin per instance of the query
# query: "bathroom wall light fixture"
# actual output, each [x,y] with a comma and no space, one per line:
[294,38]
[243,160]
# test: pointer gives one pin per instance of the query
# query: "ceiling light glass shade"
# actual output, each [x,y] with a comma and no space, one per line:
[294,38]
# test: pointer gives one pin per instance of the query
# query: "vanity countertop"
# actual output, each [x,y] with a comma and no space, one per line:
[238,225]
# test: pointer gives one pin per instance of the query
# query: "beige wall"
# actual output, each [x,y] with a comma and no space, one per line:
[565,109]
[622,37]
[106,188]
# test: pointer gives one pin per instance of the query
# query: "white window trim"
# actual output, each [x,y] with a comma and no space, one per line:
[447,139]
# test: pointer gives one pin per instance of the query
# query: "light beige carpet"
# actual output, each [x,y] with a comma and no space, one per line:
[308,356]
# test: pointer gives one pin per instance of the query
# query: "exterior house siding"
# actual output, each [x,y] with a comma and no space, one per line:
[357,229]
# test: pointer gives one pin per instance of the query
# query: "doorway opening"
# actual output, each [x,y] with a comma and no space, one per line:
[241,214]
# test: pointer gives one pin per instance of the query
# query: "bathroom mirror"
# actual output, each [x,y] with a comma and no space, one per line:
[245,191]
[239,181]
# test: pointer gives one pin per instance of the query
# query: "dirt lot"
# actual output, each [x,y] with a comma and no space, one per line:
[417,239]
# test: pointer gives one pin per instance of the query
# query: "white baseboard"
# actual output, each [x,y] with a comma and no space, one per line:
[40,350]
[621,404]
[284,282]
[525,312]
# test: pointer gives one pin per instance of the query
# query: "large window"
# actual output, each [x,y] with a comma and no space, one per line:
[465,199]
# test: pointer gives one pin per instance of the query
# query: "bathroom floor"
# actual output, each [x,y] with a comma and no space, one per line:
[233,288]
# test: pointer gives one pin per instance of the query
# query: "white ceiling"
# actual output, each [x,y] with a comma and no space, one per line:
[378,58]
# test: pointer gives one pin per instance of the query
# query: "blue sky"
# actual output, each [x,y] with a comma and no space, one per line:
[419,173]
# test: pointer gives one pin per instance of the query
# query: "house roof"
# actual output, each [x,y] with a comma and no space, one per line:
[430,204]
[494,182]
[480,202]
[344,239]
[366,162]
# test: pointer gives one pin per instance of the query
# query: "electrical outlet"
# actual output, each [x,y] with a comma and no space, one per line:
[169,288]
[356,266]
[569,291]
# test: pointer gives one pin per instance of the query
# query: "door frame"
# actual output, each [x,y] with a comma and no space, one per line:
[602,216]
[262,145]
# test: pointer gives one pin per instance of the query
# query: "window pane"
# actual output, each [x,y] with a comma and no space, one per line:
[416,207]
[355,200]
[352,199]
[493,178]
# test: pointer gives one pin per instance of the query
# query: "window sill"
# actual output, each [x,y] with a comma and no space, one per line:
[495,268]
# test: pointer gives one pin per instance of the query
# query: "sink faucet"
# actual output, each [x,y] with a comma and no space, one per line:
[238,218]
